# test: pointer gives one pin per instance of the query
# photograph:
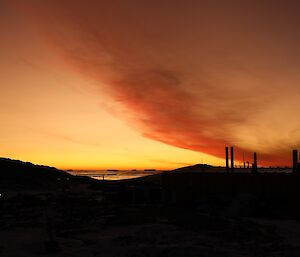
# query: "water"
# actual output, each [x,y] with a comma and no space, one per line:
[113,174]
[130,174]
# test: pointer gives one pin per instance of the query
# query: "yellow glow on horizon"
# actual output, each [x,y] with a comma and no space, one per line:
[180,89]
[52,116]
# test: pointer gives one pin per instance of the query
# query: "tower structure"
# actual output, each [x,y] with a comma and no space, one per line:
[232,159]
[295,160]
[227,159]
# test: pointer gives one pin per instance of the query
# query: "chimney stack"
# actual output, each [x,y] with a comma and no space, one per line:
[227,161]
[232,159]
[295,160]
[254,165]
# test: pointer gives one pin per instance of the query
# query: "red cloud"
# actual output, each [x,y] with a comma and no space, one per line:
[193,75]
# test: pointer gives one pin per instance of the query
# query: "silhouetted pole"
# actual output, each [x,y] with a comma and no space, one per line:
[254,166]
[226,156]
[295,160]
[232,158]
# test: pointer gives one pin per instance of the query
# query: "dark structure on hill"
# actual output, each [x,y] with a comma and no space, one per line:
[280,190]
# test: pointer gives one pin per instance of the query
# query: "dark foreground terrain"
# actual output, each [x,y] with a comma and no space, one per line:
[56,214]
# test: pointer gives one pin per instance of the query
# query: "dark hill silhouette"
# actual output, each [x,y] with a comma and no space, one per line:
[17,174]
[185,212]
[197,168]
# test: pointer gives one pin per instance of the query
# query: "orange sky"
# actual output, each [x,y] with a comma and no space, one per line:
[148,84]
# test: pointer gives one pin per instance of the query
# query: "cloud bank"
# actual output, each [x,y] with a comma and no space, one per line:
[197,75]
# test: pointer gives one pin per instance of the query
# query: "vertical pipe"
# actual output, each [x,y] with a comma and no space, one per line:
[227,161]
[232,158]
[295,160]
[254,167]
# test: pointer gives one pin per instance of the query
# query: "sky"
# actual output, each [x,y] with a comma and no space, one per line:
[148,84]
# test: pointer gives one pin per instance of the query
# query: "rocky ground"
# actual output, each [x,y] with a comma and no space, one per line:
[84,225]
[46,212]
